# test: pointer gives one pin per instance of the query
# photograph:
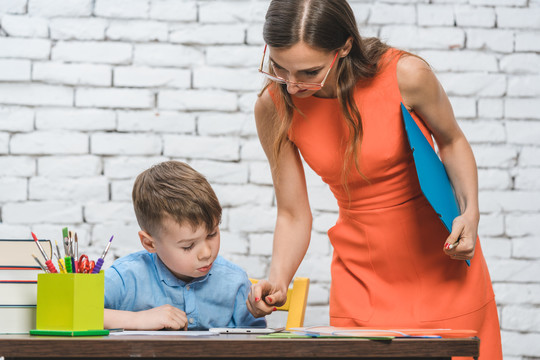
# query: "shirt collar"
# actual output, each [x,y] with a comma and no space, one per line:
[167,277]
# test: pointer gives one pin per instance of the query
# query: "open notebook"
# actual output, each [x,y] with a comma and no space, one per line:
[381,333]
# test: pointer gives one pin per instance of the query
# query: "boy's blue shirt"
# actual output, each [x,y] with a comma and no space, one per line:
[140,281]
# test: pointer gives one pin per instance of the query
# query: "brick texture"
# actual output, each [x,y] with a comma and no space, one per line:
[94,91]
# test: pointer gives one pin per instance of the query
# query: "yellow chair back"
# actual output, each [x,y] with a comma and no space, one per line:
[296,302]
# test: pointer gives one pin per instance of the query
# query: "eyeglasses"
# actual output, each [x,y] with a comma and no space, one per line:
[303,85]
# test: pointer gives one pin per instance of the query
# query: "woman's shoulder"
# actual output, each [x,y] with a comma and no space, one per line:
[265,115]
[265,102]
[415,77]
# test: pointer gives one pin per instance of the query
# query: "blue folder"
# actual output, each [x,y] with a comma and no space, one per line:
[432,176]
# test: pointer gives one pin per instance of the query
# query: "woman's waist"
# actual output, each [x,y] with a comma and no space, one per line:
[375,196]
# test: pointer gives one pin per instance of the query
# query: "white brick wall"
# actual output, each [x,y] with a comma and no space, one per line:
[94,91]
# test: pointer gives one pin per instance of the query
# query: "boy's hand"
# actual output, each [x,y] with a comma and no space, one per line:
[163,317]
[264,297]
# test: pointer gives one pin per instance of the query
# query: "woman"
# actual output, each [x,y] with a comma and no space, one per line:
[335,98]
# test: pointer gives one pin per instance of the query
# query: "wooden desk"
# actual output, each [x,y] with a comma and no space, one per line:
[231,346]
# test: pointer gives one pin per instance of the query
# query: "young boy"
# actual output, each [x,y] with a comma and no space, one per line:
[179,282]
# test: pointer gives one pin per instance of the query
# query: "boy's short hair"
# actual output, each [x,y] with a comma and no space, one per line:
[174,188]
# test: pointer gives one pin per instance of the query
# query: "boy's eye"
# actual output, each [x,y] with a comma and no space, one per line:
[212,234]
[187,248]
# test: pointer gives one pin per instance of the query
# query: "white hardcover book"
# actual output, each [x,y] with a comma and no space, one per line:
[19,273]
[18,292]
[18,252]
[17,319]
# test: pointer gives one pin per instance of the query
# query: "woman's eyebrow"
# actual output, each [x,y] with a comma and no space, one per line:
[314,68]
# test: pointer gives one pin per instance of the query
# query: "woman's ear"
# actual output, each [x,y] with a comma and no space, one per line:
[346,49]
[147,241]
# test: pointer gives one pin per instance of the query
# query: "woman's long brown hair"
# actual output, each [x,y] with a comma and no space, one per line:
[326,25]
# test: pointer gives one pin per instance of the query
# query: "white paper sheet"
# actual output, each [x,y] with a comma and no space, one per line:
[164,333]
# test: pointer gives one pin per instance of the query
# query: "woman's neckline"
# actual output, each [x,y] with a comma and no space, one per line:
[315,97]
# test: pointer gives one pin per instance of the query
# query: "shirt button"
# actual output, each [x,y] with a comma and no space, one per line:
[187,287]
[191,320]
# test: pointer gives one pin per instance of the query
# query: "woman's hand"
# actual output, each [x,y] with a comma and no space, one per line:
[264,297]
[462,241]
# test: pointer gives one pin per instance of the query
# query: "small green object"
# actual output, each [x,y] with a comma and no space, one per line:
[67,261]
[69,332]
[65,232]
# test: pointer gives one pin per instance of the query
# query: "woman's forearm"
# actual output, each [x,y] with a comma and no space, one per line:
[291,241]
[460,165]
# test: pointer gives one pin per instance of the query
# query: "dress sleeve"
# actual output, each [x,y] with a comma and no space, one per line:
[114,289]
[241,316]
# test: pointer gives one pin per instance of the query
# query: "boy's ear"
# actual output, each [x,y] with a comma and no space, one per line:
[147,241]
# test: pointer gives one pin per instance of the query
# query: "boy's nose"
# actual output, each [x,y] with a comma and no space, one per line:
[205,252]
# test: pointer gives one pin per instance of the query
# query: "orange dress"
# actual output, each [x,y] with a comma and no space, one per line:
[388,267]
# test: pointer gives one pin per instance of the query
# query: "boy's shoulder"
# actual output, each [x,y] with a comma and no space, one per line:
[139,258]
[222,265]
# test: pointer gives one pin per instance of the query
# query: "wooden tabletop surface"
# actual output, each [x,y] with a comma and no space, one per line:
[231,346]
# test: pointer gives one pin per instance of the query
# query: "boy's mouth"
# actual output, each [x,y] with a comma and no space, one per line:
[205,268]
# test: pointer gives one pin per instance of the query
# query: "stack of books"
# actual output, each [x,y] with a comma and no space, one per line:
[18,284]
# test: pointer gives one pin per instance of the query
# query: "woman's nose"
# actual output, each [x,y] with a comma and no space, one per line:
[292,88]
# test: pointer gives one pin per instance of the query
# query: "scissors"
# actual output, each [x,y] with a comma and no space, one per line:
[85,266]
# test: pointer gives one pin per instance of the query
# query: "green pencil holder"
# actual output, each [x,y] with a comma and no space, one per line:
[71,302]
